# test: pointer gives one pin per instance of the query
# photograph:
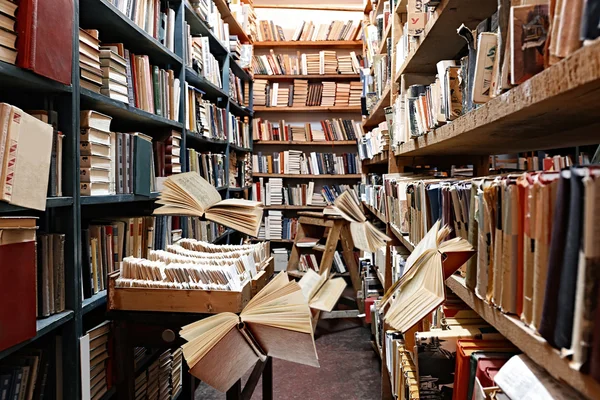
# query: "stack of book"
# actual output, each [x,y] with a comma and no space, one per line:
[342,94]
[312,163]
[289,64]
[327,62]
[272,193]
[329,94]
[89,60]
[8,35]
[51,274]
[114,75]
[260,92]
[206,231]
[165,362]
[176,372]
[140,386]
[95,360]
[150,17]
[210,166]
[273,224]
[201,60]
[298,195]
[97,158]
[345,65]
[309,31]
[280,96]
[240,131]
[312,62]
[167,155]
[355,94]
[300,93]
[152,387]
[374,142]
[333,130]
[203,118]
[235,47]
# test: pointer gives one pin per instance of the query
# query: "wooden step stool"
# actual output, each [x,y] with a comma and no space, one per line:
[335,229]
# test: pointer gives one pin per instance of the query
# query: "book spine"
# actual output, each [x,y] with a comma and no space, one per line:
[11,160]
[130,92]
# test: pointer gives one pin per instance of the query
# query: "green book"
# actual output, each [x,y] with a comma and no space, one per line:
[142,158]
[157,91]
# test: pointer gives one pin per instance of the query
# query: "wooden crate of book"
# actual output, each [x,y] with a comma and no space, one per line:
[187,300]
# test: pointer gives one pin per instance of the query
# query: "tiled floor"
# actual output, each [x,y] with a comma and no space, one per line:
[350,369]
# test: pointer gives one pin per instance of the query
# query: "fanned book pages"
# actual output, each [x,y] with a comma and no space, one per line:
[190,194]
[321,292]
[275,323]
[421,288]
[365,236]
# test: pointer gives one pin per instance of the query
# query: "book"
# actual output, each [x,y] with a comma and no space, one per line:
[527,49]
[321,292]
[276,322]
[189,194]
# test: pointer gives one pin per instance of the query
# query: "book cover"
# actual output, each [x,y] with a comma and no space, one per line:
[529,30]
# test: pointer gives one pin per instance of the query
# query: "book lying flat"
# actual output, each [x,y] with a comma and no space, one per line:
[322,293]
[190,194]
[275,323]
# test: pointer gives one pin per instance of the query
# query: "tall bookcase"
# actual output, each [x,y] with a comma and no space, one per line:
[551,110]
[65,214]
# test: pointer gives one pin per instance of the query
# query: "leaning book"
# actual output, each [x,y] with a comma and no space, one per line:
[190,194]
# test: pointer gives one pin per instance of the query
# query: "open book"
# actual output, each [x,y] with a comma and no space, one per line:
[276,322]
[365,236]
[421,289]
[190,194]
[322,293]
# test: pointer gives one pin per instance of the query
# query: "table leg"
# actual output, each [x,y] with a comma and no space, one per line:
[267,380]
[235,392]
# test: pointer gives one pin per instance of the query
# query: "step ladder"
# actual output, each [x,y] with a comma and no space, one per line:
[335,229]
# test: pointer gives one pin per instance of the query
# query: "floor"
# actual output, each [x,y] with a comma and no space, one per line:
[350,369]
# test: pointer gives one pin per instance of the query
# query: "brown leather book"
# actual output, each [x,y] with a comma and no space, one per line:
[42,25]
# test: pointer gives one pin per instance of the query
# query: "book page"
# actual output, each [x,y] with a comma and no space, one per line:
[329,294]
[202,192]
[310,283]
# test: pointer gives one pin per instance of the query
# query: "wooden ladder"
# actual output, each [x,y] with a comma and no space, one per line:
[335,229]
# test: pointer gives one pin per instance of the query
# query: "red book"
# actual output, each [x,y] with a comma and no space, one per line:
[45,45]
[17,285]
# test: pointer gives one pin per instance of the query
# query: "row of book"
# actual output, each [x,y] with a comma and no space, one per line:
[310,262]
[162,380]
[376,80]
[276,226]
[374,142]
[167,156]
[239,91]
[245,16]
[374,26]
[297,162]
[240,169]
[204,118]
[107,243]
[96,357]
[209,13]
[206,231]
[110,69]
[537,282]
[153,17]
[8,34]
[239,128]
[329,62]
[336,129]
[309,31]
[303,93]
[200,59]
[210,166]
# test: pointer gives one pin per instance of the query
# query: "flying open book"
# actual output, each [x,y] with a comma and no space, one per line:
[321,292]
[190,194]
[421,289]
[275,323]
[365,236]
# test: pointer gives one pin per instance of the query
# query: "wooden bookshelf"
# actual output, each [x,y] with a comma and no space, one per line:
[211,91]
[440,41]
[376,213]
[200,27]
[340,109]
[234,27]
[527,341]
[378,159]
[378,113]
[272,240]
[547,111]
[341,44]
[301,208]
[306,176]
[386,34]
[402,238]
[297,143]
[323,77]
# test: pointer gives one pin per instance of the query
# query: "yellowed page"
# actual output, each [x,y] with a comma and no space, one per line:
[329,294]
[310,283]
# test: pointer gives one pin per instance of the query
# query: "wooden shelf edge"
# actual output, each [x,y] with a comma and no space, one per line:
[402,238]
[378,114]
[93,302]
[280,142]
[319,43]
[535,347]
[301,176]
[284,207]
[375,212]
[325,76]
[308,108]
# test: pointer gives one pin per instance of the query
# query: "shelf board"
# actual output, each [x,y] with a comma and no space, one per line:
[192,136]
[534,346]
[238,109]
[272,240]
[320,43]
[555,108]
[51,202]
[97,300]
[116,198]
[306,176]
[301,208]
[237,70]
[12,76]
[239,189]
[323,77]
[378,159]
[234,26]
[220,188]
[115,27]
[43,326]
[293,143]
[239,148]
[402,238]
[440,41]
[386,34]
[124,115]
[222,236]
[212,91]
[199,27]
[344,109]
[376,213]
[377,115]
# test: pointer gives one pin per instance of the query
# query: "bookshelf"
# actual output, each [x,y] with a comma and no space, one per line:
[305,176]
[339,109]
[340,44]
[67,214]
[292,77]
[298,143]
